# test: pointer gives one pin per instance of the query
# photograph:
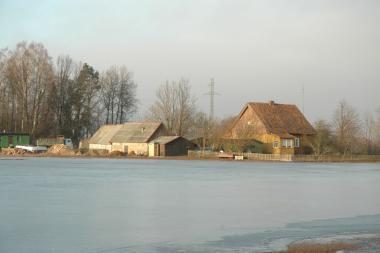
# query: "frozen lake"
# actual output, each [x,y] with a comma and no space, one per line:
[111,205]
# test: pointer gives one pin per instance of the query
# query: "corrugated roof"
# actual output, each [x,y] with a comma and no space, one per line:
[131,132]
[104,134]
[165,139]
[282,118]
[135,132]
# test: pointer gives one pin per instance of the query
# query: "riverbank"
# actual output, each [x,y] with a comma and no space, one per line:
[206,156]
[289,157]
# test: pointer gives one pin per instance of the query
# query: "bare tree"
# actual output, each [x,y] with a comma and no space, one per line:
[208,132]
[30,74]
[41,99]
[369,130]
[4,94]
[201,130]
[322,143]
[109,82]
[126,95]
[186,107]
[63,78]
[377,132]
[175,106]
[118,94]
[347,126]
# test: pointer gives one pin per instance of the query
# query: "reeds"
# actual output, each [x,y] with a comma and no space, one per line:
[330,247]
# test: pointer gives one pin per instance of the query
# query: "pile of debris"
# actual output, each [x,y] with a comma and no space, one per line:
[60,149]
[12,151]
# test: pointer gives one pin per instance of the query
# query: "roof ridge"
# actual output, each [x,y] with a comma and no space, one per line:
[274,103]
[154,131]
[142,122]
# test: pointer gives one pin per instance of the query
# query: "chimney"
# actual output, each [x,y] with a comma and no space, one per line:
[142,129]
[271,102]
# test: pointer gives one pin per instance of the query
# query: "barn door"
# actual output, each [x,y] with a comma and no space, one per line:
[157,149]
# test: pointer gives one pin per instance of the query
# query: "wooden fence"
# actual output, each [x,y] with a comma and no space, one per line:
[289,158]
[249,156]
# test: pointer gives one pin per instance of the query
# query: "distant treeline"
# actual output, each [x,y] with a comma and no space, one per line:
[348,132]
[46,97]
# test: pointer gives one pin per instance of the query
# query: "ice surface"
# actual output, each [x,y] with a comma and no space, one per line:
[103,205]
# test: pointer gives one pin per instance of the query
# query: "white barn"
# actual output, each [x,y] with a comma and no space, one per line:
[131,137]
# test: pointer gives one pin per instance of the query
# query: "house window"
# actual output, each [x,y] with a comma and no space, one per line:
[287,143]
[275,144]
[297,142]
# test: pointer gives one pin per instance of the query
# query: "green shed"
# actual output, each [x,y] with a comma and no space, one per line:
[13,139]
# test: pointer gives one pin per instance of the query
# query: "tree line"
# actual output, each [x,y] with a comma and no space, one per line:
[348,132]
[345,133]
[44,97]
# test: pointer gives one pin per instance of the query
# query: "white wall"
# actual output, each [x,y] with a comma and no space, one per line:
[100,147]
[137,148]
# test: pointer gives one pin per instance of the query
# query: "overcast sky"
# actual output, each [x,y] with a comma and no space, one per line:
[255,50]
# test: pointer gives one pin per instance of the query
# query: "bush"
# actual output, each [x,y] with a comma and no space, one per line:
[117,153]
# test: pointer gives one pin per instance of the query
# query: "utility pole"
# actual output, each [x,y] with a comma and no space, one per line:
[212,94]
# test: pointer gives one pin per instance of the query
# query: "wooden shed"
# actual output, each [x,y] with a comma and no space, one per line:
[170,146]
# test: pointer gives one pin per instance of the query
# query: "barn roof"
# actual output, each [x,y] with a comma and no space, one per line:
[165,139]
[104,134]
[136,132]
[281,119]
[131,132]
